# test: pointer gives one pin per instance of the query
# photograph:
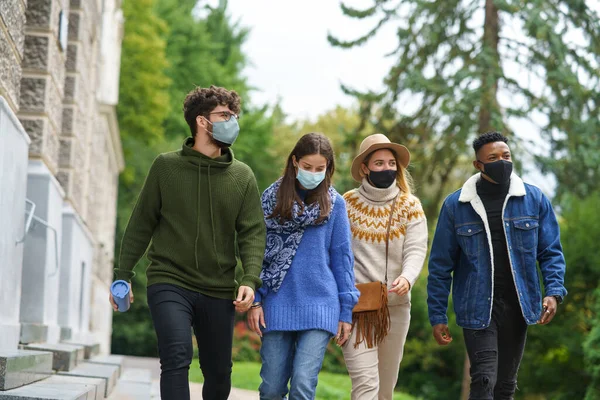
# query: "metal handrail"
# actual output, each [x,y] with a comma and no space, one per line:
[31,217]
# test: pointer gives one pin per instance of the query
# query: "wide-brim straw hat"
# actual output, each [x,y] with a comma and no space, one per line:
[376,142]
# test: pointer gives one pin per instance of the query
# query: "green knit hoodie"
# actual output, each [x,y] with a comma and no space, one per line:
[190,209]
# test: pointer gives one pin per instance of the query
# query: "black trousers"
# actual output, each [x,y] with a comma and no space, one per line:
[496,352]
[175,311]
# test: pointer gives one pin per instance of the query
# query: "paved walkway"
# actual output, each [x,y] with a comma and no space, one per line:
[236,394]
[153,365]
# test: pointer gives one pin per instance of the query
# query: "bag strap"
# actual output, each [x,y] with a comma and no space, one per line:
[387,236]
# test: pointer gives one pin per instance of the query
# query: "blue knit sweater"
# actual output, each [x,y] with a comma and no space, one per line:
[318,290]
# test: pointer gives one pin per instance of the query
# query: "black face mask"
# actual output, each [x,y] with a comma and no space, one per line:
[499,171]
[382,179]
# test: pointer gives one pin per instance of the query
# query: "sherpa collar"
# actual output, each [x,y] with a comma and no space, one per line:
[469,189]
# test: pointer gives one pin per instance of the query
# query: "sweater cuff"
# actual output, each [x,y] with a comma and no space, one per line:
[124,274]
[347,303]
[410,277]
[346,314]
[251,281]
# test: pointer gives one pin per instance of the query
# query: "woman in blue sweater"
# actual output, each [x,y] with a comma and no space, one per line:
[308,287]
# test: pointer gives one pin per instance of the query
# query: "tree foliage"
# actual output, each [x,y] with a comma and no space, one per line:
[466,66]
[142,110]
[168,49]
[201,52]
[462,67]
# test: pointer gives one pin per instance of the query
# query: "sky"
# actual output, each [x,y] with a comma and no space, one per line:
[292,62]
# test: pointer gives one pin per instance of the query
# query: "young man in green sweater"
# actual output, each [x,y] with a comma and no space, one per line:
[195,205]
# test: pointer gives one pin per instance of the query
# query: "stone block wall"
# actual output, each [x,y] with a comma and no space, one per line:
[43,76]
[59,74]
[79,102]
[12,37]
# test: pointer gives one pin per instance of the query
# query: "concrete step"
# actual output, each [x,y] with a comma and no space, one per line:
[22,367]
[155,390]
[65,356]
[90,370]
[110,360]
[139,375]
[91,348]
[135,384]
[98,384]
[56,388]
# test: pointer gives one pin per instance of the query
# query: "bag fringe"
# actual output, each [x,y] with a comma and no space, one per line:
[372,326]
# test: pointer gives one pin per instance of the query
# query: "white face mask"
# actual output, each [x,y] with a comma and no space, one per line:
[225,131]
[310,180]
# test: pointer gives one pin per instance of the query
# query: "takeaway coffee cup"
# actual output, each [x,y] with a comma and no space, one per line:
[120,292]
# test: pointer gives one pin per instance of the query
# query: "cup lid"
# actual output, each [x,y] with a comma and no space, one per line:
[119,289]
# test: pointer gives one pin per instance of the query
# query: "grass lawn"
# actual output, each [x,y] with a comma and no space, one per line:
[331,386]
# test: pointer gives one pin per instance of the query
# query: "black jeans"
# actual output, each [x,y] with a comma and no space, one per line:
[495,352]
[174,311]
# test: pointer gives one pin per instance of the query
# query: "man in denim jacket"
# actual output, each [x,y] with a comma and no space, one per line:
[489,236]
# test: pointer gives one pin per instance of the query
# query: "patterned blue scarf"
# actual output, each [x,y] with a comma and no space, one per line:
[283,237]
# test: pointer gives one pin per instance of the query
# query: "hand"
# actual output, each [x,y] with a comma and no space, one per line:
[548,310]
[400,286]
[256,319]
[441,333]
[343,333]
[112,301]
[244,300]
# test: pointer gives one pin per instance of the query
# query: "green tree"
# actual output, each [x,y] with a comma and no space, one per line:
[592,353]
[255,144]
[143,107]
[461,69]
[456,61]
[201,52]
[208,51]
[564,347]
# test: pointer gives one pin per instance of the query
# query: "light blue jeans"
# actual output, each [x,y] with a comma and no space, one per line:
[295,357]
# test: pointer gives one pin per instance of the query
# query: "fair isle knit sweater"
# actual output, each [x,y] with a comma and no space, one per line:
[369,212]
[318,290]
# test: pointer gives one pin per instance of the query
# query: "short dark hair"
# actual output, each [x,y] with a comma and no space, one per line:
[488,137]
[201,101]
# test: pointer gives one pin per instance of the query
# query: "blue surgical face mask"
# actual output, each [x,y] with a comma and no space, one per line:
[226,131]
[310,180]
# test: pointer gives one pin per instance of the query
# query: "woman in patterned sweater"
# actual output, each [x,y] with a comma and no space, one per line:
[381,169]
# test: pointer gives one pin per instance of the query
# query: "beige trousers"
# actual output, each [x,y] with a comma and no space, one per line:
[374,372]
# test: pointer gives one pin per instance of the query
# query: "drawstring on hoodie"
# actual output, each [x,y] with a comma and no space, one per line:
[198,218]
[212,221]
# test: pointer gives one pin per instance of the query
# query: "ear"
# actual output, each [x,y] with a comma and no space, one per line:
[201,122]
[364,169]
[476,165]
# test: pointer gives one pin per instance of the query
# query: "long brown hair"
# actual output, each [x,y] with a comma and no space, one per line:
[309,144]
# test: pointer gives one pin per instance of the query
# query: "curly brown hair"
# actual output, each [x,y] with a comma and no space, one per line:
[201,101]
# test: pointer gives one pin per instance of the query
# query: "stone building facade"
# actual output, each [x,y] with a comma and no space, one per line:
[60,158]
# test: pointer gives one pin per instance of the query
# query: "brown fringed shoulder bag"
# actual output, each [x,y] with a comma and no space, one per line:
[371,315]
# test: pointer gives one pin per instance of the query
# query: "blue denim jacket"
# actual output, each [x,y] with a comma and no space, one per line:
[461,255]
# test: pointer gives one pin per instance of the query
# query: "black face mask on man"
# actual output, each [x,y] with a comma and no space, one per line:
[499,171]
[382,179]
